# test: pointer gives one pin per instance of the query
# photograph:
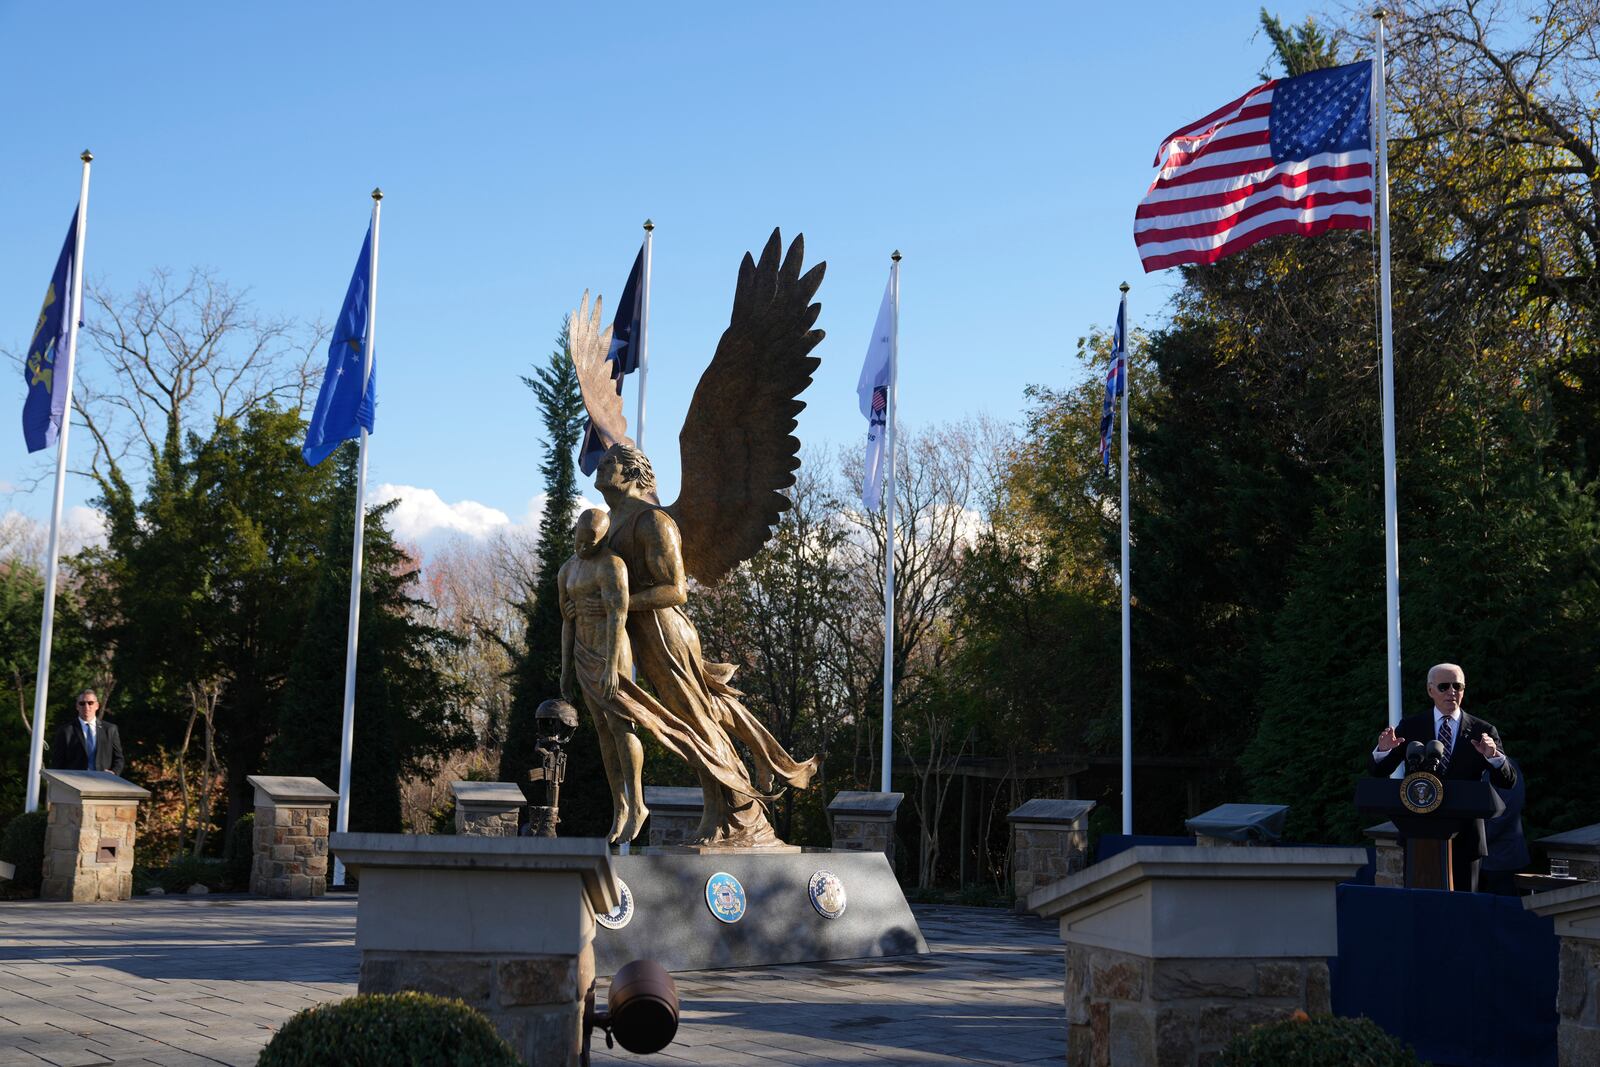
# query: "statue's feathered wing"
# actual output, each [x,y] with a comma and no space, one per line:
[737,445]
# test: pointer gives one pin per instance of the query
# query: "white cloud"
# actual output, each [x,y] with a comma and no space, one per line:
[22,535]
[422,515]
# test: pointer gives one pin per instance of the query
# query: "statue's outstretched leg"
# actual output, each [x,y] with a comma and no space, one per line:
[610,758]
[630,757]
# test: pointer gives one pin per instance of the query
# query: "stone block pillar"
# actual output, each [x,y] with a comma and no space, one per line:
[1576,911]
[675,813]
[1172,951]
[504,923]
[1389,867]
[88,845]
[291,836]
[1049,840]
[1578,850]
[488,809]
[864,822]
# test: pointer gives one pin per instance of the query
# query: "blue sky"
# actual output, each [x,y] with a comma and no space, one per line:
[1001,147]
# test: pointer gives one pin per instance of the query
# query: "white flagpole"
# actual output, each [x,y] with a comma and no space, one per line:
[347,735]
[1127,642]
[888,534]
[41,688]
[1391,530]
[644,329]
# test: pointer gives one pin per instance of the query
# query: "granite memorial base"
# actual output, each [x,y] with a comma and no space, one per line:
[671,920]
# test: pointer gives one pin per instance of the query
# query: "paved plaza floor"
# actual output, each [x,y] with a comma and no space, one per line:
[206,980]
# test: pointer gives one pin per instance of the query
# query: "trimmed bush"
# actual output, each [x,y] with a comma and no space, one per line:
[1317,1041]
[22,844]
[181,873]
[379,1029]
[241,852]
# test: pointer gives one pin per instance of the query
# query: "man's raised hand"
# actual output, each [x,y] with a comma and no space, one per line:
[1389,739]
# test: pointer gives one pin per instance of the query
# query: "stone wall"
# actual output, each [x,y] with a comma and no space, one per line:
[1131,1011]
[675,813]
[1578,1036]
[485,822]
[88,851]
[534,1001]
[488,809]
[1049,840]
[291,851]
[864,822]
[1389,856]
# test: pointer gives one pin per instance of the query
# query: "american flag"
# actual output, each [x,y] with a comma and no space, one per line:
[1116,381]
[1293,155]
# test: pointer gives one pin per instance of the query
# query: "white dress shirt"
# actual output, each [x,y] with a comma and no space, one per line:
[1455,735]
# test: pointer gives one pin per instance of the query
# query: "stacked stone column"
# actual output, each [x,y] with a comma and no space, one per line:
[88,846]
[291,836]
[675,813]
[1389,855]
[864,822]
[1576,911]
[487,809]
[1172,951]
[1049,840]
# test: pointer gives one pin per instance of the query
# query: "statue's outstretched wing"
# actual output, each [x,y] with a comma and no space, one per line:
[738,446]
[601,398]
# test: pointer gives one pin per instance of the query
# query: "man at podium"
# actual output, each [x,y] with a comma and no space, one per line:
[1481,756]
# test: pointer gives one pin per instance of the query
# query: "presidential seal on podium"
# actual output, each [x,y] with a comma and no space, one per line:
[1421,792]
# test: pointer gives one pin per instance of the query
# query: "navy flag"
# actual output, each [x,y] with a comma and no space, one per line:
[624,355]
[46,405]
[342,410]
[1116,381]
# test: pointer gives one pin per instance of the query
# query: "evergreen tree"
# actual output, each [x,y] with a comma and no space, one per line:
[408,708]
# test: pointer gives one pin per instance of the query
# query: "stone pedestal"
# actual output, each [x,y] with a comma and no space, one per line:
[1171,951]
[1576,911]
[88,846]
[1389,855]
[864,822]
[675,813]
[487,809]
[506,924]
[291,836]
[1049,840]
[1580,849]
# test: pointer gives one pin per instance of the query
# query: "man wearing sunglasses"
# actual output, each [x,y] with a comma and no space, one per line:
[87,743]
[1481,757]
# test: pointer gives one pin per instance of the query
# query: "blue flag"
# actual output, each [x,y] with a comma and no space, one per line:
[342,411]
[627,329]
[1116,381]
[46,404]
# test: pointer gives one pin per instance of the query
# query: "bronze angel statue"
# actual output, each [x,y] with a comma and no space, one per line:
[623,596]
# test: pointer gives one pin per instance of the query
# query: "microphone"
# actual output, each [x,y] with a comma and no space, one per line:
[1434,757]
[1413,755]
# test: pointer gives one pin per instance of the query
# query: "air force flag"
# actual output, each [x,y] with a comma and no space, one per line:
[872,391]
[343,408]
[46,405]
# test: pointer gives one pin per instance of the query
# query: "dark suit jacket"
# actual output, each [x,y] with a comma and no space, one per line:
[1465,763]
[1508,849]
[70,755]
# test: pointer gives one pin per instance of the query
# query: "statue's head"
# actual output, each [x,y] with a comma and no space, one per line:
[625,468]
[590,530]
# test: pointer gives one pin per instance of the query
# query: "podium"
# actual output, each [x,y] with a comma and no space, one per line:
[1429,813]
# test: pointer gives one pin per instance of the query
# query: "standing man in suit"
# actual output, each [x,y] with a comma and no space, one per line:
[87,743]
[1480,756]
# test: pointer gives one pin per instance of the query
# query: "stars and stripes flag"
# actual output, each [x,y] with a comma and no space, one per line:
[1116,381]
[1292,155]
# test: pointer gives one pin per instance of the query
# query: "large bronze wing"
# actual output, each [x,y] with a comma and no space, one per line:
[590,345]
[738,446]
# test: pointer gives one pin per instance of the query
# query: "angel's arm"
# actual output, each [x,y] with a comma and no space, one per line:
[663,561]
[569,687]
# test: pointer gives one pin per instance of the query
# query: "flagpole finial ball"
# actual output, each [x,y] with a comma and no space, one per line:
[896,255]
[87,155]
[1380,13]
[648,225]
[377,194]
[1124,287]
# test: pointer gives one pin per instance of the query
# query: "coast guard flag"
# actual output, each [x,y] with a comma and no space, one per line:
[342,411]
[46,403]
[626,331]
[872,392]
[1116,382]
[1293,155]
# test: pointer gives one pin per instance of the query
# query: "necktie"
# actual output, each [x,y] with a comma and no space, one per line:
[1444,739]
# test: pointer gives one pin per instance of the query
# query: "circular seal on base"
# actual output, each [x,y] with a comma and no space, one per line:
[725,897]
[827,894]
[1421,792]
[622,914]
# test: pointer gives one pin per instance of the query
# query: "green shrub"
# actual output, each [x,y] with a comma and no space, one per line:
[375,1030]
[22,844]
[241,852]
[1318,1041]
[183,872]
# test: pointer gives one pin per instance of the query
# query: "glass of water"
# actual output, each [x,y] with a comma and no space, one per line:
[1558,867]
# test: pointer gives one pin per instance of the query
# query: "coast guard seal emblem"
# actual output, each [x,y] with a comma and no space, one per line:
[827,894]
[725,897]
[622,914]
